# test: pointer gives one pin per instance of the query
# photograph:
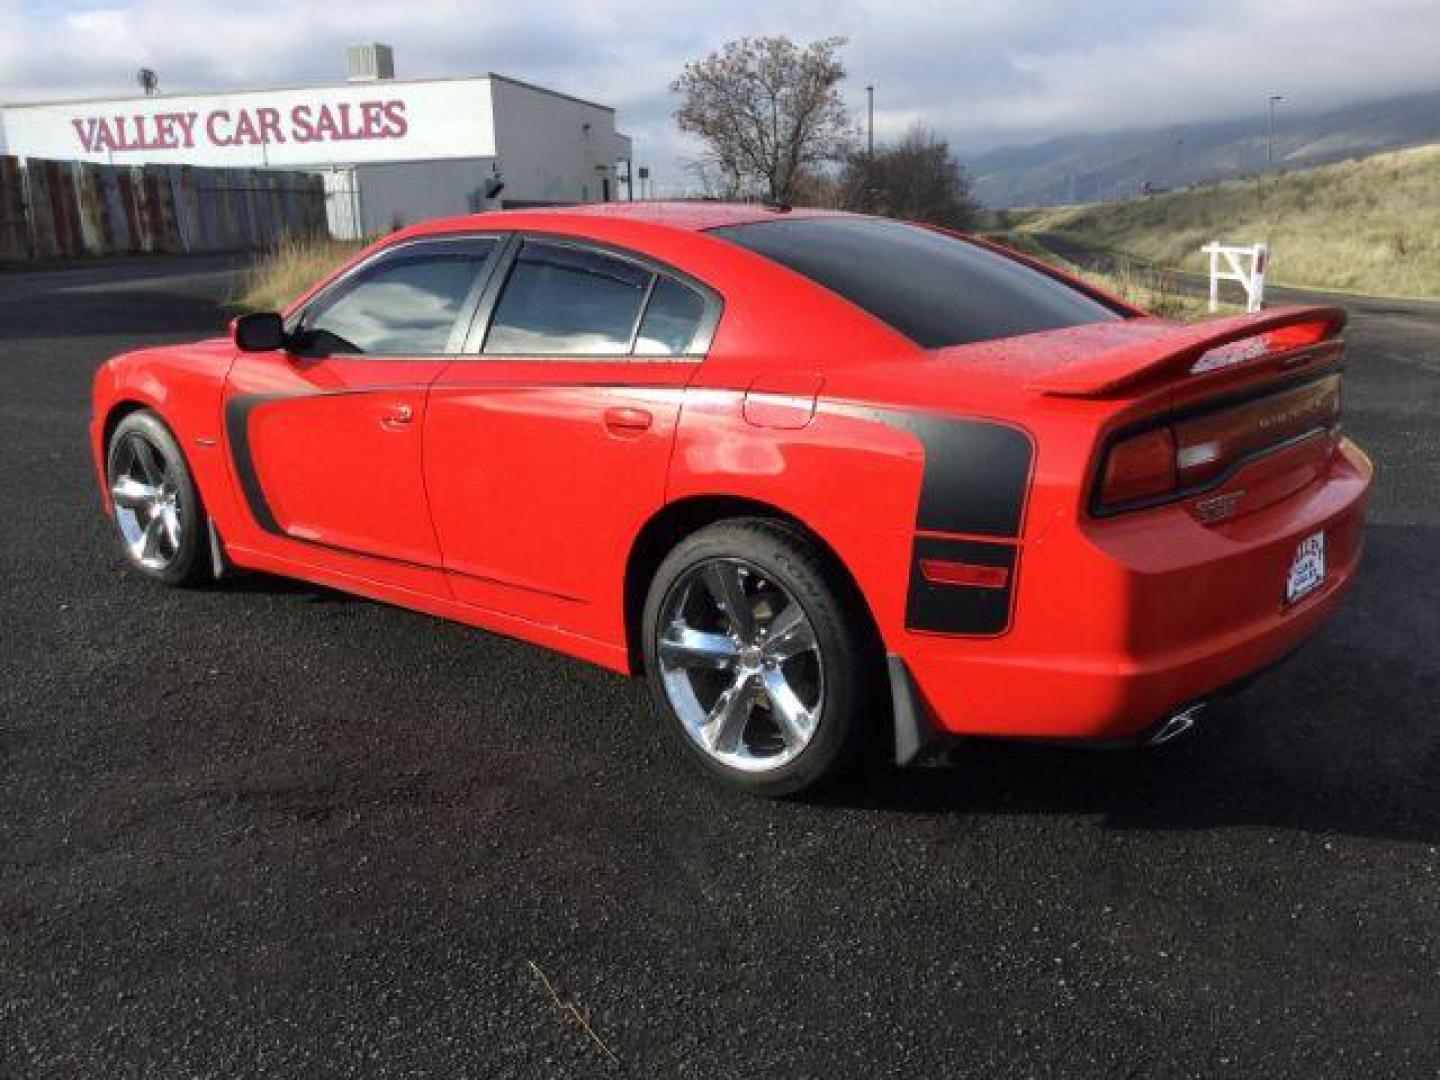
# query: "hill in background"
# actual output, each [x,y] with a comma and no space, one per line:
[1371,225]
[1089,168]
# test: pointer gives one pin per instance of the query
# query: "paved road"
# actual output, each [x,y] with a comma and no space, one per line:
[269,829]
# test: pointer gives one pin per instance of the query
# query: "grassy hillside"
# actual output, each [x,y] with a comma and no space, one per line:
[1371,225]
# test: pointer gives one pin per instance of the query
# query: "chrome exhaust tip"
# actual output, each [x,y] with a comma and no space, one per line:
[1176,724]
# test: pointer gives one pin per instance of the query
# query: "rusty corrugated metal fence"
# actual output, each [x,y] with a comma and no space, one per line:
[69,209]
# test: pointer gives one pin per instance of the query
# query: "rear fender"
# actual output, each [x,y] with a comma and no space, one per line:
[881,486]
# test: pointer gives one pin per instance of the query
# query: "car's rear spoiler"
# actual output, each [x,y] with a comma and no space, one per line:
[1194,350]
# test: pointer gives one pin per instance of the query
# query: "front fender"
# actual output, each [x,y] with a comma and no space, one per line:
[184,385]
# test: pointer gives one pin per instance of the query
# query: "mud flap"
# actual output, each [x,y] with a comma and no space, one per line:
[915,732]
[219,565]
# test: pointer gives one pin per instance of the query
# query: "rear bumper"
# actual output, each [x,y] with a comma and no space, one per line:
[1120,624]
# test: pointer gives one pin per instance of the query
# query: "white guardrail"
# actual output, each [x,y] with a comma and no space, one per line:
[1243,264]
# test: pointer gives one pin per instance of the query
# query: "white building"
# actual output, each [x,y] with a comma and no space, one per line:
[391,151]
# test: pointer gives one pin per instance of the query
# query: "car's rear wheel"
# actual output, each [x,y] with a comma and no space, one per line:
[755,658]
[157,510]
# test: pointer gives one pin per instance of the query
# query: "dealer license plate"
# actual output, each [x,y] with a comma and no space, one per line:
[1307,572]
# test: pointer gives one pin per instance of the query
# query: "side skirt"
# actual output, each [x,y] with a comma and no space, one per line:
[606,655]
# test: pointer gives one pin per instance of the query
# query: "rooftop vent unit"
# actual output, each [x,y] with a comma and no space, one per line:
[370,62]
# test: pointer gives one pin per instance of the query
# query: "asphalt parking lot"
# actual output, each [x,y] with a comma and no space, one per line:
[269,829]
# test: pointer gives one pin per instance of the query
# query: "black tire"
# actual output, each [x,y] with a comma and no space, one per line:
[850,661]
[183,563]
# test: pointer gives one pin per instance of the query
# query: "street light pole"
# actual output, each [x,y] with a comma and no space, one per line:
[870,128]
[1270,133]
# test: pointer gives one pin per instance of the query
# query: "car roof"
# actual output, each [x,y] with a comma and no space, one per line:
[690,216]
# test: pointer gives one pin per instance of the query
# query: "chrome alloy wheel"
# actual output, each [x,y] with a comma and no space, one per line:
[147,502]
[740,664]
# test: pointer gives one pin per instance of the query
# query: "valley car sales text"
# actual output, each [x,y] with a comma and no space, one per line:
[343,122]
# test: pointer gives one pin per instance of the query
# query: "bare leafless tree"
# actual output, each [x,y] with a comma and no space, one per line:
[767,110]
[918,179]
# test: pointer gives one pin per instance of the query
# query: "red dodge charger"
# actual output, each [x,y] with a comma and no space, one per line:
[814,474]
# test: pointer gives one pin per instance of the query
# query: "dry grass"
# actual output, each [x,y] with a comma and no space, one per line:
[1371,225]
[287,269]
[1142,284]
[1150,288]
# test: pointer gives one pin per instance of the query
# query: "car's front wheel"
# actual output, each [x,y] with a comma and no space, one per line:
[157,510]
[756,659]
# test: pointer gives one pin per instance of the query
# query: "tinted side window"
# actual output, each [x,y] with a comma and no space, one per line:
[935,289]
[671,320]
[403,304]
[566,301]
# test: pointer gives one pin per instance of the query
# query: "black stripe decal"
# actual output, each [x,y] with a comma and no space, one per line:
[975,479]
[237,431]
[959,609]
[975,483]
[977,472]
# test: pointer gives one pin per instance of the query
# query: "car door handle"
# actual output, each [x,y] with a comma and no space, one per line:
[627,421]
[397,417]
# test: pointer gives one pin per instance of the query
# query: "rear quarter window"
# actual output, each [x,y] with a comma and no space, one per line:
[936,289]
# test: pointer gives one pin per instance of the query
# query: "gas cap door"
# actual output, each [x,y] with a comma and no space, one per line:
[782,399]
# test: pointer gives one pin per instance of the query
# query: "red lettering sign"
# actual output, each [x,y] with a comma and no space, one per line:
[307,123]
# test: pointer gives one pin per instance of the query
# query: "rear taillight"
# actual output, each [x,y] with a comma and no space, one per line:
[1140,467]
[1207,445]
[1200,450]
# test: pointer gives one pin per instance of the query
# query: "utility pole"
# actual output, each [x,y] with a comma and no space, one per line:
[870,127]
[1270,133]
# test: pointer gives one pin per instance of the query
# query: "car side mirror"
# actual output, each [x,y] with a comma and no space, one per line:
[260,331]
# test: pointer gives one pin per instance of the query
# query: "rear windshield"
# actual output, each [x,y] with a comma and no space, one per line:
[935,289]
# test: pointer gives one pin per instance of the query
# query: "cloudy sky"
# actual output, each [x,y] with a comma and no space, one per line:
[982,72]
